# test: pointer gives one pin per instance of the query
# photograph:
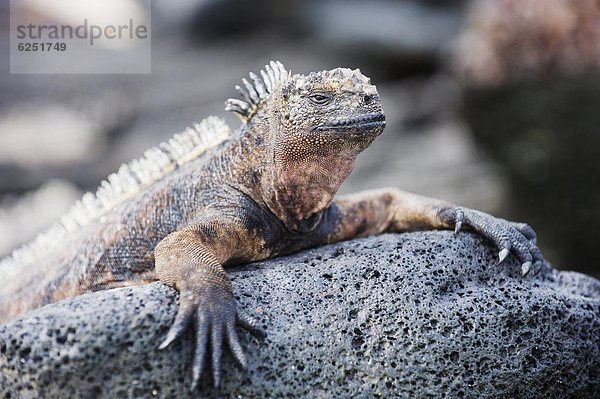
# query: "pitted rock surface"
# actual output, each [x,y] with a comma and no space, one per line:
[423,314]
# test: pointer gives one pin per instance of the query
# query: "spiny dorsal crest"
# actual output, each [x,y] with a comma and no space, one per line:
[254,93]
[131,179]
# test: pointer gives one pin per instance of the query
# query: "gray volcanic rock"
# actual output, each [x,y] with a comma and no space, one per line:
[410,315]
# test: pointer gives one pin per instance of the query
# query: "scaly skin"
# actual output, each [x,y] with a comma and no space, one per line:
[269,191]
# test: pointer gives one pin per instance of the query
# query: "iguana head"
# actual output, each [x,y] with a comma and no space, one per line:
[315,126]
[338,108]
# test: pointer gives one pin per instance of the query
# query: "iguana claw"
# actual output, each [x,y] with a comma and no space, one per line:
[459,217]
[247,322]
[214,322]
[518,238]
[525,268]
[503,254]
[537,267]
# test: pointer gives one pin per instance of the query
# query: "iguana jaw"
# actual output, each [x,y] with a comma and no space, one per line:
[357,127]
[365,122]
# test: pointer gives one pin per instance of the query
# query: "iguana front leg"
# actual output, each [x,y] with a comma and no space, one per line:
[191,260]
[377,211]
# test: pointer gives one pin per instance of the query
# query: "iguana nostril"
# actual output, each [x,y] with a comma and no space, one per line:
[367,99]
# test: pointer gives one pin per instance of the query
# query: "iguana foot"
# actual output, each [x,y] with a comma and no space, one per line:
[518,238]
[213,313]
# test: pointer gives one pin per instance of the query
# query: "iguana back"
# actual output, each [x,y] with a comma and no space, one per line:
[106,239]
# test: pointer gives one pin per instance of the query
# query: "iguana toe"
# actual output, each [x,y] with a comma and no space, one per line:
[247,322]
[182,320]
[235,346]
[217,352]
[527,231]
[537,267]
[200,349]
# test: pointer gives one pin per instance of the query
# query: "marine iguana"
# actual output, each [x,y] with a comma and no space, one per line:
[211,198]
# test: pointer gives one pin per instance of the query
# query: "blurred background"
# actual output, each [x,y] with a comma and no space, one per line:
[492,104]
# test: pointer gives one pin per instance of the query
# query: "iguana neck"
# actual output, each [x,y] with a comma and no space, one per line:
[305,186]
[296,189]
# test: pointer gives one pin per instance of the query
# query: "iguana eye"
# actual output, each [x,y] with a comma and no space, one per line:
[320,98]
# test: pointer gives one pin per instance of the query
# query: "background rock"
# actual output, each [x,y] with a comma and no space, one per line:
[415,315]
[407,31]
[546,136]
[530,73]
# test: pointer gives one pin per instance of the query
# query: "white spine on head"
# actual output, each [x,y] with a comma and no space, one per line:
[253,93]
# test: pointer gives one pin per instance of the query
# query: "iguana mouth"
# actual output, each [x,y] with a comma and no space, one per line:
[362,122]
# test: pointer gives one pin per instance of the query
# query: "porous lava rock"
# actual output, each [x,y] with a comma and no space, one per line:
[424,314]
